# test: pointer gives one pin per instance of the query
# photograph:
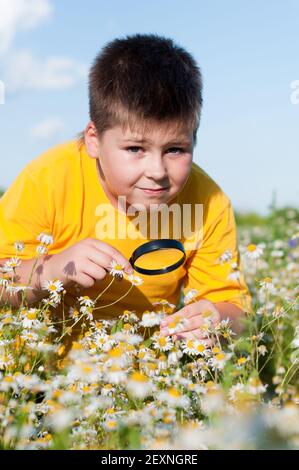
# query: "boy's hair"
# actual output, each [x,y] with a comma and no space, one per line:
[142,79]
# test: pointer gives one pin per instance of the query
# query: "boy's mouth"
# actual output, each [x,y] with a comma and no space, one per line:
[154,191]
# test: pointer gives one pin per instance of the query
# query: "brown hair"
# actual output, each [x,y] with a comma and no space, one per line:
[142,79]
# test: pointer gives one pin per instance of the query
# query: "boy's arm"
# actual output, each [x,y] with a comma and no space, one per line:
[83,263]
[215,269]
[214,272]
[40,274]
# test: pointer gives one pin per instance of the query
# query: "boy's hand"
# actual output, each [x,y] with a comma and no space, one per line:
[195,317]
[85,262]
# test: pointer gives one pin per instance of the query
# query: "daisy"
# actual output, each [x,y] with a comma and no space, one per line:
[116,269]
[30,320]
[163,307]
[176,325]
[12,263]
[235,274]
[150,319]
[145,354]
[190,296]
[219,360]
[115,375]
[174,356]
[135,280]
[267,285]
[52,301]
[107,390]
[162,343]
[139,385]
[253,251]
[188,347]
[195,347]
[255,386]
[53,287]
[17,288]
[162,362]
[236,391]
[150,368]
[73,312]
[225,257]
[86,301]
[224,328]
[45,239]
[129,316]
[84,372]
[29,336]
[87,311]
[241,361]
[41,250]
[110,424]
[117,357]
[173,397]
[19,246]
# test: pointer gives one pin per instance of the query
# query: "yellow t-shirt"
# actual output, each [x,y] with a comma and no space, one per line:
[60,193]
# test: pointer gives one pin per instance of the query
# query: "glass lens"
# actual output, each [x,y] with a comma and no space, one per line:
[159,259]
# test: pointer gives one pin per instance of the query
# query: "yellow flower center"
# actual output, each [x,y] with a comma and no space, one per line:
[251,247]
[173,392]
[219,357]
[118,267]
[115,352]
[111,424]
[152,366]
[138,377]
[31,316]
[162,341]
[241,361]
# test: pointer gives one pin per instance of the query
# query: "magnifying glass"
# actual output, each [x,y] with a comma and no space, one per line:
[163,256]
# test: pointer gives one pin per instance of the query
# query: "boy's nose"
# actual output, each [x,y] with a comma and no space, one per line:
[155,168]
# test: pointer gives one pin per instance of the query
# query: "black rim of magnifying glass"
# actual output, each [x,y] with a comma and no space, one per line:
[155,245]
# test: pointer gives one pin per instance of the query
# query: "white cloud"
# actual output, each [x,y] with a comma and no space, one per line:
[48,128]
[23,71]
[16,15]
[20,69]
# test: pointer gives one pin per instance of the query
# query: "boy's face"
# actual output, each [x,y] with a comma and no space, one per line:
[131,168]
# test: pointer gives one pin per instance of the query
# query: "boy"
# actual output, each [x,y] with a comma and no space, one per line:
[145,103]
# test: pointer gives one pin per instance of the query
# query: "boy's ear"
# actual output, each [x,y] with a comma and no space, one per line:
[91,140]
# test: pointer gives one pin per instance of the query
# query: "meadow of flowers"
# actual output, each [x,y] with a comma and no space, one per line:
[124,386]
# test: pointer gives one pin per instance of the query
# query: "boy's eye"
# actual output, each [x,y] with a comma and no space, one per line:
[133,148]
[177,148]
[136,149]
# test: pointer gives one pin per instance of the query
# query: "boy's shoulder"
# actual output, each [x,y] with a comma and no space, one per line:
[54,159]
[202,188]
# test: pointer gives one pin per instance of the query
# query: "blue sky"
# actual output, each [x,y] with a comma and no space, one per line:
[248,53]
